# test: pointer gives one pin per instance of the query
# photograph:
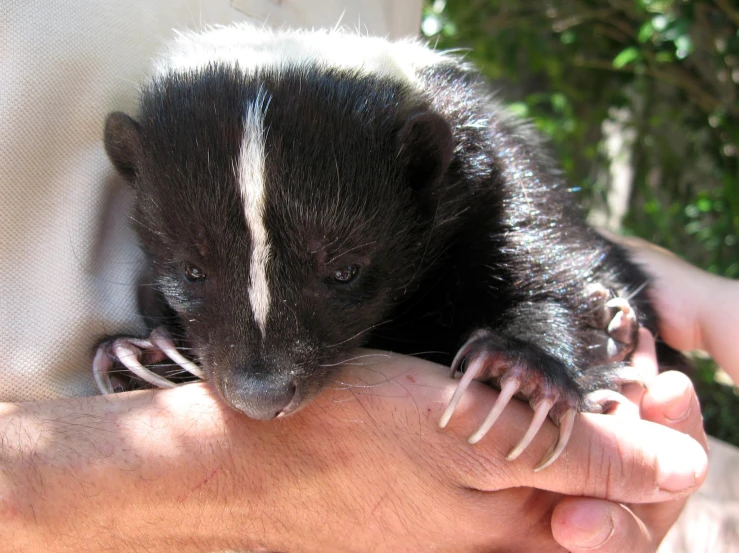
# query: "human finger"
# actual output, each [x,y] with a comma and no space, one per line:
[672,402]
[620,458]
[645,369]
[586,525]
[670,396]
[612,457]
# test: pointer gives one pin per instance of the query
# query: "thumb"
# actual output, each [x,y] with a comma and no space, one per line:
[619,458]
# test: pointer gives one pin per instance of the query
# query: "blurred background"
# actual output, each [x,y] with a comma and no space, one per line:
[640,99]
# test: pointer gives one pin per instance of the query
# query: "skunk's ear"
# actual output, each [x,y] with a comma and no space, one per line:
[123,143]
[425,148]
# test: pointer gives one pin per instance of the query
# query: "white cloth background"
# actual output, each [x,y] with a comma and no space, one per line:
[68,260]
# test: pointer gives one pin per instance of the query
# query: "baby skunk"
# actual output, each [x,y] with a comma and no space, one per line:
[299,194]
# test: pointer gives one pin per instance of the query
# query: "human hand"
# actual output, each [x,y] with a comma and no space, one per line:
[364,467]
[596,525]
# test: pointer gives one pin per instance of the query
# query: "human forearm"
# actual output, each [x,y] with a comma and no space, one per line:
[85,473]
[176,470]
[365,464]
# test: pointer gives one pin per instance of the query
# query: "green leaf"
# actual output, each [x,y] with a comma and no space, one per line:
[646,32]
[626,57]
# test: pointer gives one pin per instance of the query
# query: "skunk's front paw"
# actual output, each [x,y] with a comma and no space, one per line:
[134,354]
[614,318]
[523,371]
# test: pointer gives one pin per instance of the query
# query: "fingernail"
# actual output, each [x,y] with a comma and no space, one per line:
[592,527]
[676,473]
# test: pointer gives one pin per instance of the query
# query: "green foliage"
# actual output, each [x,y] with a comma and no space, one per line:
[719,404]
[672,65]
[666,72]
[626,56]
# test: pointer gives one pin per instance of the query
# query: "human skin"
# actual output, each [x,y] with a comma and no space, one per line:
[697,310]
[588,524]
[363,468]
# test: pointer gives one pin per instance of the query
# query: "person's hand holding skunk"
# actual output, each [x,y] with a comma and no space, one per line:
[365,468]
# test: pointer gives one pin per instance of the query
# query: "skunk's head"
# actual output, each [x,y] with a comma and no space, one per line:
[285,215]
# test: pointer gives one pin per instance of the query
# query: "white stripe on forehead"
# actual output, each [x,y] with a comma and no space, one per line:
[250,178]
[254,48]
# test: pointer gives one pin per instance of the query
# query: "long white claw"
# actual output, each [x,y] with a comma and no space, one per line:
[565,431]
[101,371]
[163,341]
[458,359]
[617,322]
[507,391]
[463,352]
[540,415]
[472,370]
[612,348]
[129,357]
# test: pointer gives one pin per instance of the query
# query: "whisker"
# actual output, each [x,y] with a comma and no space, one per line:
[357,334]
[350,250]
[350,359]
[638,290]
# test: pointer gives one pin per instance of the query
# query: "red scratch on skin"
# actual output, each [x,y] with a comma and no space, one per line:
[378,505]
[205,480]
[410,378]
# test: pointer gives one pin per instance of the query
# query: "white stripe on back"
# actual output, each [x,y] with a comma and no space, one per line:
[250,178]
[259,48]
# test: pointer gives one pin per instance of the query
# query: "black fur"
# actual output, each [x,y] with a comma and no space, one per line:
[455,218]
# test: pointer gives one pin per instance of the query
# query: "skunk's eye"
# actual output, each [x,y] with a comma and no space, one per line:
[345,275]
[193,273]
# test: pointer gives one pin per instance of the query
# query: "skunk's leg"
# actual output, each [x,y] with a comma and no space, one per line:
[556,364]
[612,337]
[521,369]
[131,351]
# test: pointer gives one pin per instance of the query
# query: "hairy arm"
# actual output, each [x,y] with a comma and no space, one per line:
[160,470]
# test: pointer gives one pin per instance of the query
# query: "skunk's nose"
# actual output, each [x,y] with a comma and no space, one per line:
[262,397]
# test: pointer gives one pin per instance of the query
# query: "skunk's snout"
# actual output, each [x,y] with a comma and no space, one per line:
[262,397]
